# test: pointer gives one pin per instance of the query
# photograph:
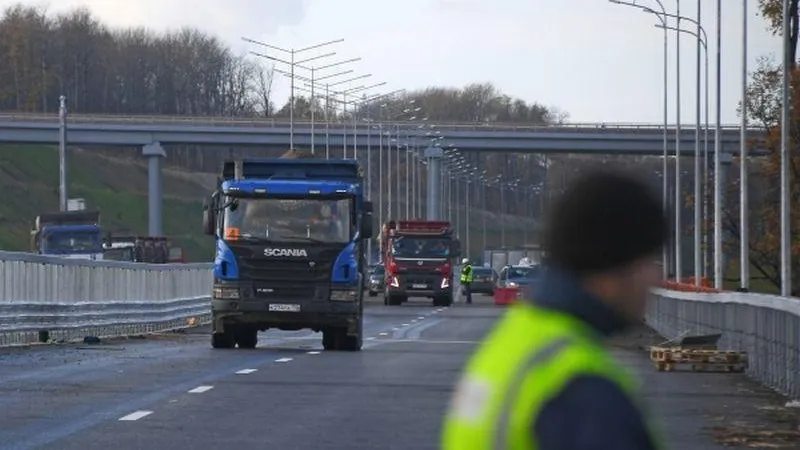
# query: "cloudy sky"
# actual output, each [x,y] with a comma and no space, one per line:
[598,61]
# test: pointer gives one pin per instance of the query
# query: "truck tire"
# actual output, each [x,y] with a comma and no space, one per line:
[223,340]
[246,338]
[372,293]
[394,300]
[443,300]
[330,338]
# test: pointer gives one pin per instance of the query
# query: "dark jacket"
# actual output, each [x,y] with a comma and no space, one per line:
[591,413]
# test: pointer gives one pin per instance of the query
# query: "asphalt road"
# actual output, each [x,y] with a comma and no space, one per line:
[174,391]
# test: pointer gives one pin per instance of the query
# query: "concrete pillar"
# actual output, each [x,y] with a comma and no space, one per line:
[154,152]
[434,155]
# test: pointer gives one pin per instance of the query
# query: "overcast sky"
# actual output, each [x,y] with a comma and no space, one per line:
[597,61]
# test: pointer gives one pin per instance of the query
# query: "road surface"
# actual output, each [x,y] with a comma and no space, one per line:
[174,391]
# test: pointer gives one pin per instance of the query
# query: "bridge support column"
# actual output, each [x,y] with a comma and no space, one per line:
[154,152]
[433,155]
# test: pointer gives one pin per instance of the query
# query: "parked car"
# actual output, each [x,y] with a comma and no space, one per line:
[376,280]
[483,280]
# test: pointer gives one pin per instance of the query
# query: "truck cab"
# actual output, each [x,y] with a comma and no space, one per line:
[290,237]
[68,234]
[418,256]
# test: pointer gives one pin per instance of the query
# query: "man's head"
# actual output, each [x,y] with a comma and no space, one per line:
[607,229]
[465,261]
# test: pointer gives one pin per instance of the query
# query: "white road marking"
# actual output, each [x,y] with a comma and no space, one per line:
[384,334]
[313,353]
[395,328]
[283,359]
[421,318]
[201,389]
[246,371]
[135,416]
[370,338]
[405,324]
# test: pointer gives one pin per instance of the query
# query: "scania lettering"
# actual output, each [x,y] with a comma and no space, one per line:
[290,238]
[418,256]
[297,253]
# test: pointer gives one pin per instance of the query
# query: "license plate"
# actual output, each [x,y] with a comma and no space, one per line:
[419,286]
[284,307]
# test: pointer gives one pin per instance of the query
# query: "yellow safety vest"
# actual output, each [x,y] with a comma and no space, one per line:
[466,274]
[527,360]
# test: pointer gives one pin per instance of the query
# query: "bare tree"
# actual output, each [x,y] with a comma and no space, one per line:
[264,77]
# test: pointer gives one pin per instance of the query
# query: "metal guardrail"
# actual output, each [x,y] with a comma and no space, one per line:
[767,327]
[280,123]
[70,299]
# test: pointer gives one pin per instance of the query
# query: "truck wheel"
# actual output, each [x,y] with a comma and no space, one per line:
[223,340]
[330,339]
[247,338]
[352,343]
[394,300]
[372,293]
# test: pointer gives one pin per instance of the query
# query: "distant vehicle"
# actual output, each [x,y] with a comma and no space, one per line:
[68,234]
[483,280]
[376,280]
[146,249]
[518,276]
[418,258]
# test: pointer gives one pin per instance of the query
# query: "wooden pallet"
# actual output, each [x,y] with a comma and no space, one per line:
[700,360]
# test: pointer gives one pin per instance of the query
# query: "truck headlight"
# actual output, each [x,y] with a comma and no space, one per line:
[344,296]
[445,283]
[394,282]
[226,293]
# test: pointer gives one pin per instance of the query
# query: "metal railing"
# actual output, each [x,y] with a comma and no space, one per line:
[280,123]
[767,327]
[67,299]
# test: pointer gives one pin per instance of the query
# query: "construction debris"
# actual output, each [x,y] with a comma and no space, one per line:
[700,353]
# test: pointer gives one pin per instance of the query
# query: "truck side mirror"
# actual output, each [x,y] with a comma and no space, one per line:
[366,225]
[455,248]
[209,218]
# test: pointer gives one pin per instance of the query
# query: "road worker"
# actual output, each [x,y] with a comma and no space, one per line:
[543,378]
[466,279]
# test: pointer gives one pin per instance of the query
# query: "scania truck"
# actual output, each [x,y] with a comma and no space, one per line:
[290,239]
[418,257]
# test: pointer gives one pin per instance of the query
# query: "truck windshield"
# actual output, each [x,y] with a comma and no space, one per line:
[72,241]
[283,220]
[414,247]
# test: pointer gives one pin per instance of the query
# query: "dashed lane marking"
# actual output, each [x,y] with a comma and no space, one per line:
[135,416]
[313,353]
[283,360]
[383,334]
[370,338]
[201,389]
[421,318]
[406,324]
[246,371]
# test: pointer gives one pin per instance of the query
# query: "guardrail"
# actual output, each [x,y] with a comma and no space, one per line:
[276,122]
[60,299]
[767,327]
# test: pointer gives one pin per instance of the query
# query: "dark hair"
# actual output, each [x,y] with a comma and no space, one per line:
[604,221]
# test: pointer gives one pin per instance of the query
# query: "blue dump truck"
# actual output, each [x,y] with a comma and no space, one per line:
[68,234]
[291,237]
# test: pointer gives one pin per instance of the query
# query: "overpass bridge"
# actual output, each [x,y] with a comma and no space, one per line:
[117,130]
[151,132]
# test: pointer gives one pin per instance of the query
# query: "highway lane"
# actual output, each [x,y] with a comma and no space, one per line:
[73,396]
[174,390]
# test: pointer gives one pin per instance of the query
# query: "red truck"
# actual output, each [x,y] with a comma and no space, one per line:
[418,257]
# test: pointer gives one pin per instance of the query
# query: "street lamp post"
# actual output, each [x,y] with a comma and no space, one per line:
[718,255]
[744,207]
[702,43]
[665,157]
[314,81]
[786,236]
[292,63]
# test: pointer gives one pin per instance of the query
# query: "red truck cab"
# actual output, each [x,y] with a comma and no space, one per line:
[418,257]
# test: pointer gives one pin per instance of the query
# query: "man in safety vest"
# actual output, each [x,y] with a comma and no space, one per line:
[466,278]
[543,379]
